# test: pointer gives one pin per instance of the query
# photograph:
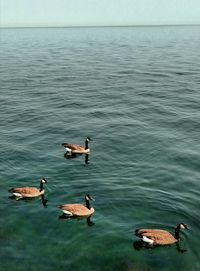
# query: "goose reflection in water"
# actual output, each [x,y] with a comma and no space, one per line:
[89,222]
[43,198]
[139,245]
[67,155]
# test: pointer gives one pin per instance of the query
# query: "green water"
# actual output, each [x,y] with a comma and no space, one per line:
[135,92]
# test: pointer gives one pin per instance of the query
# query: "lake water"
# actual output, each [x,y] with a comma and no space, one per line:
[136,92]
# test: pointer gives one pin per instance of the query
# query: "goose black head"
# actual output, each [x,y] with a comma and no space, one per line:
[89,197]
[44,180]
[88,139]
[183,226]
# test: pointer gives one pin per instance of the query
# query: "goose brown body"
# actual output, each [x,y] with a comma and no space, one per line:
[27,191]
[77,149]
[77,209]
[160,237]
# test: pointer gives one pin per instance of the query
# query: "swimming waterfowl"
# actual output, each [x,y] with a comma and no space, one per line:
[75,148]
[78,209]
[160,237]
[28,192]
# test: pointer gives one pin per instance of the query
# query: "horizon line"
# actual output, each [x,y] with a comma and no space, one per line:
[99,26]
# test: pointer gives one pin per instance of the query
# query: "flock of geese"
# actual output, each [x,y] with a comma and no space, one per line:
[151,237]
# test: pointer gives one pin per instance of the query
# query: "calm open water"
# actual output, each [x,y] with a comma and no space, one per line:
[136,93]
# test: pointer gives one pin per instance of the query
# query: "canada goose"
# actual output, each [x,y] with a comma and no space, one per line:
[78,209]
[28,192]
[160,237]
[75,148]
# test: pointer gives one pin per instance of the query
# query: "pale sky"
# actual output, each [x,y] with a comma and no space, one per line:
[26,13]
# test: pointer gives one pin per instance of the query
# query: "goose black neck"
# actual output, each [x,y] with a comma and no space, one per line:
[86,144]
[177,231]
[87,203]
[41,186]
